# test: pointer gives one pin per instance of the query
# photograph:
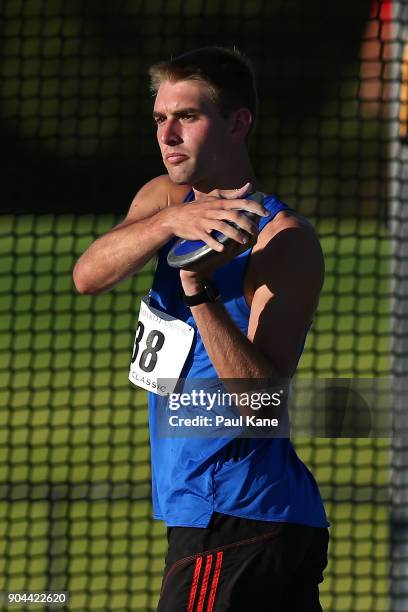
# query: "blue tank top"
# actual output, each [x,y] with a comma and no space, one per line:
[255,478]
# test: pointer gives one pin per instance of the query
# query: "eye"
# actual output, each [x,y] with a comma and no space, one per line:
[158,120]
[187,117]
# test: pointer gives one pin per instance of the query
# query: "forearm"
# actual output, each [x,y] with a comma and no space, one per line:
[238,362]
[231,352]
[126,248]
[120,253]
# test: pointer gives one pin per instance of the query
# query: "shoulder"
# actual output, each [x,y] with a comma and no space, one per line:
[288,247]
[164,187]
[153,196]
[287,220]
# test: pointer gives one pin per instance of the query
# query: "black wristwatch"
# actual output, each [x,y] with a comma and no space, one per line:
[210,293]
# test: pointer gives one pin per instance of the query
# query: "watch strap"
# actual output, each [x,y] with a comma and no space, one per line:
[210,293]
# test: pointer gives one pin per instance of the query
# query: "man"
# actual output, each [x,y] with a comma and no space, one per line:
[246,524]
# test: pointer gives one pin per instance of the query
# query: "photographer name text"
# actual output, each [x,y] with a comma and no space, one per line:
[221,421]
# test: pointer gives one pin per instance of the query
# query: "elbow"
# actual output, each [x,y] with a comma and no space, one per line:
[83,280]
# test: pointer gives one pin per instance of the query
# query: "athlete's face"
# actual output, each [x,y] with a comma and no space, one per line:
[194,138]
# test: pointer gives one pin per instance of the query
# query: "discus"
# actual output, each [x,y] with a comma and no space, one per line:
[186,253]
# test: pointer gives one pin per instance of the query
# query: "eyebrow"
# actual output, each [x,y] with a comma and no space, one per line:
[178,113]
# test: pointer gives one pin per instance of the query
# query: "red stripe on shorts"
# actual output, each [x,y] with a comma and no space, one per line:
[214,583]
[194,584]
[208,563]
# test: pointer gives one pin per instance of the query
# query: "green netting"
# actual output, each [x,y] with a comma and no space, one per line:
[75,509]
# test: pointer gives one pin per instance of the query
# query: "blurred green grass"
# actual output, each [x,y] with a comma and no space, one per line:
[71,416]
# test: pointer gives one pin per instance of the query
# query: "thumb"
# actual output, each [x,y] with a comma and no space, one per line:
[231,194]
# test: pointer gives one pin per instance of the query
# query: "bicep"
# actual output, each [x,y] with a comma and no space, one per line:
[286,297]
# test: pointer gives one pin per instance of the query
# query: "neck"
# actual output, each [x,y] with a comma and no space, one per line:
[232,177]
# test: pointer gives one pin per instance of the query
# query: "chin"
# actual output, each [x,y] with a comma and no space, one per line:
[179,179]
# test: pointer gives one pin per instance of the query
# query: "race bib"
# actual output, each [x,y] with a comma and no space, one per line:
[161,347]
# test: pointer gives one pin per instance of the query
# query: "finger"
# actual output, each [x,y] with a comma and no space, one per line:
[242,220]
[212,242]
[236,193]
[248,205]
[231,232]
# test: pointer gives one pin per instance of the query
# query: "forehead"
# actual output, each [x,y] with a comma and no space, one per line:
[173,96]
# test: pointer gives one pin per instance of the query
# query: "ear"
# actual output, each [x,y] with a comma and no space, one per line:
[241,121]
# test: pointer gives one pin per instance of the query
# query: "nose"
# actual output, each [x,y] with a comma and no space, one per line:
[169,134]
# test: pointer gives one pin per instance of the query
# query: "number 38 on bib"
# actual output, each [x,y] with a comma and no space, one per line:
[161,347]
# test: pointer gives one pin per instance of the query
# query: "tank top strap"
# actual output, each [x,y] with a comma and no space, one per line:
[274,206]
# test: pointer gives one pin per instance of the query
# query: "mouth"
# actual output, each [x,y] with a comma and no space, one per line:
[175,158]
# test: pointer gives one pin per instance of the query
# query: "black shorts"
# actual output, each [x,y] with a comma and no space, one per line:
[244,565]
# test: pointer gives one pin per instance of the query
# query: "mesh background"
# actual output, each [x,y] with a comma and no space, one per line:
[78,141]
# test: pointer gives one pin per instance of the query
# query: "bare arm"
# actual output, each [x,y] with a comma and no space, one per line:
[156,215]
[287,269]
[232,354]
[127,247]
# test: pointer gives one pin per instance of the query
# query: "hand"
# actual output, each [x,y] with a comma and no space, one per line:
[197,221]
[192,279]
